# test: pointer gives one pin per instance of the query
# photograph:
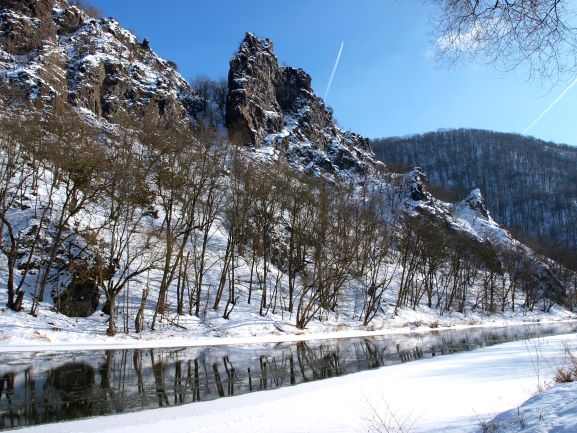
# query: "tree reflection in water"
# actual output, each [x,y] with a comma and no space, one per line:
[37,388]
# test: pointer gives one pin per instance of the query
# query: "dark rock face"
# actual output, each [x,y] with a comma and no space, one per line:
[52,50]
[272,105]
[411,186]
[79,299]
[68,21]
[416,187]
[25,24]
[252,109]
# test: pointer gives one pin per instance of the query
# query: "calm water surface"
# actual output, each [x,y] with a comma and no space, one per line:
[44,387]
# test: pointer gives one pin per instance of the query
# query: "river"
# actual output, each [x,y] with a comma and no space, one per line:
[45,387]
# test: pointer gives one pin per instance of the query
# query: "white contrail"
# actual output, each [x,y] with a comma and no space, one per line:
[550,106]
[334,70]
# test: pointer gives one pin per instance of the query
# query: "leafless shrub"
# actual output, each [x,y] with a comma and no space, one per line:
[568,373]
[489,426]
[415,324]
[495,425]
[388,421]
[563,375]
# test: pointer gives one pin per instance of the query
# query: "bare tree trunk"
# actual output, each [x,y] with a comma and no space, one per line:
[111,331]
[139,319]
[224,272]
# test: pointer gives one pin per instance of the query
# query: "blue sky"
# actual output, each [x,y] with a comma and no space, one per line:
[385,85]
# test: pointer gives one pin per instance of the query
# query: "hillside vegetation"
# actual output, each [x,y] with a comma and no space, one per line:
[530,186]
[134,198]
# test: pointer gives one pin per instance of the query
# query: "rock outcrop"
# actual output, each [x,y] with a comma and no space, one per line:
[25,25]
[56,51]
[274,106]
[476,202]
[79,299]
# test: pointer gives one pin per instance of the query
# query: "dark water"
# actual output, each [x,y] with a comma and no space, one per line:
[43,387]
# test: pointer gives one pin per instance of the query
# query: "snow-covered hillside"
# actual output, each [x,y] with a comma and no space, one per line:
[530,184]
[53,51]
[138,210]
[125,209]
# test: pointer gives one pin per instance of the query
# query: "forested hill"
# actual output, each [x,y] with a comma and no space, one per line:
[530,185]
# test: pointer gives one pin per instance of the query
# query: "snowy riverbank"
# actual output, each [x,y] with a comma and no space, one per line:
[443,394]
[553,410]
[51,331]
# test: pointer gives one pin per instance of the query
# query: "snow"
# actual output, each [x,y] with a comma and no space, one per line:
[56,329]
[271,114]
[108,43]
[474,386]
[553,411]
[447,394]
[469,219]
[52,331]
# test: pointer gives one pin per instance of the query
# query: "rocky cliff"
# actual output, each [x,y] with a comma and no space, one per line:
[272,106]
[55,51]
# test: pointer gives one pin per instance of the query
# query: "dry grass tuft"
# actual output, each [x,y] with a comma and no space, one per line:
[567,373]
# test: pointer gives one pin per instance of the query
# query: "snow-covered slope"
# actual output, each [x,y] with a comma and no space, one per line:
[55,54]
[52,50]
[529,184]
[553,411]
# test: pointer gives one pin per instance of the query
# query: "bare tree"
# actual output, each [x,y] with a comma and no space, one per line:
[13,180]
[296,202]
[538,33]
[210,161]
[214,94]
[75,157]
[375,277]
[129,250]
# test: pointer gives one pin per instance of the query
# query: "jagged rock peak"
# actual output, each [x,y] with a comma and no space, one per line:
[273,105]
[252,107]
[414,183]
[252,43]
[476,202]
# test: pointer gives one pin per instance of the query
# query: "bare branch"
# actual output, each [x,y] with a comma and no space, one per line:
[539,34]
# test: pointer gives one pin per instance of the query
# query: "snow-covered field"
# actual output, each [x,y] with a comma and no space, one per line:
[453,393]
